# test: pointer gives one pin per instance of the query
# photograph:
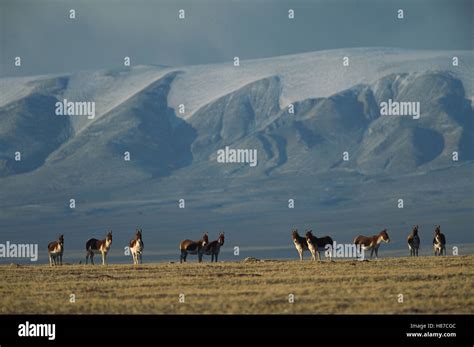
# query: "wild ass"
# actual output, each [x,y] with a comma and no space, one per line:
[55,251]
[214,247]
[98,246]
[318,244]
[372,242]
[439,242]
[136,247]
[300,243]
[414,242]
[193,247]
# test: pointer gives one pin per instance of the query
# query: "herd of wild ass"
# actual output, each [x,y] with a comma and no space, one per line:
[136,246]
[202,247]
[315,245]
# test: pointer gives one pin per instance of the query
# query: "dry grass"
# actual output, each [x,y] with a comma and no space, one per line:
[428,284]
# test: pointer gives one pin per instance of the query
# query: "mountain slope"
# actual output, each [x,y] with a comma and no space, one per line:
[135,115]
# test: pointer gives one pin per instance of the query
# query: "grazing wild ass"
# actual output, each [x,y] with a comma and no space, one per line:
[439,242]
[193,247]
[300,243]
[414,241]
[55,251]
[318,244]
[214,247]
[372,242]
[98,246]
[136,247]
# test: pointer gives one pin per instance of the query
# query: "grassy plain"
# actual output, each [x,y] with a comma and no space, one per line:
[428,285]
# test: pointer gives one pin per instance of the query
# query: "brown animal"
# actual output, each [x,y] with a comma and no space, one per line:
[98,246]
[214,247]
[439,242]
[136,247]
[318,244]
[414,241]
[300,243]
[372,242]
[55,251]
[193,247]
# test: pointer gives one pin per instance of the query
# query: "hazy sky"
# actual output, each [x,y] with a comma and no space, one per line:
[216,30]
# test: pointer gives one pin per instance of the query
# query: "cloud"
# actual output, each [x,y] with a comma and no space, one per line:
[213,31]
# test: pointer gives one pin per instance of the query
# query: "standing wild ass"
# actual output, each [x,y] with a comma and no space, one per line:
[414,241]
[372,242]
[136,247]
[300,243]
[214,247]
[439,242]
[98,246]
[193,247]
[55,251]
[318,244]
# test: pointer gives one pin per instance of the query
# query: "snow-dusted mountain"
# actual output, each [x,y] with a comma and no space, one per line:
[300,155]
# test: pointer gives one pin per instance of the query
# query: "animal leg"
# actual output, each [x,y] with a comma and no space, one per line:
[301,255]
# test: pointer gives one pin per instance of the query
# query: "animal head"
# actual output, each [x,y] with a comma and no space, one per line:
[384,236]
[415,230]
[309,234]
[138,234]
[220,239]
[294,234]
[108,238]
[438,235]
[205,239]
[61,239]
